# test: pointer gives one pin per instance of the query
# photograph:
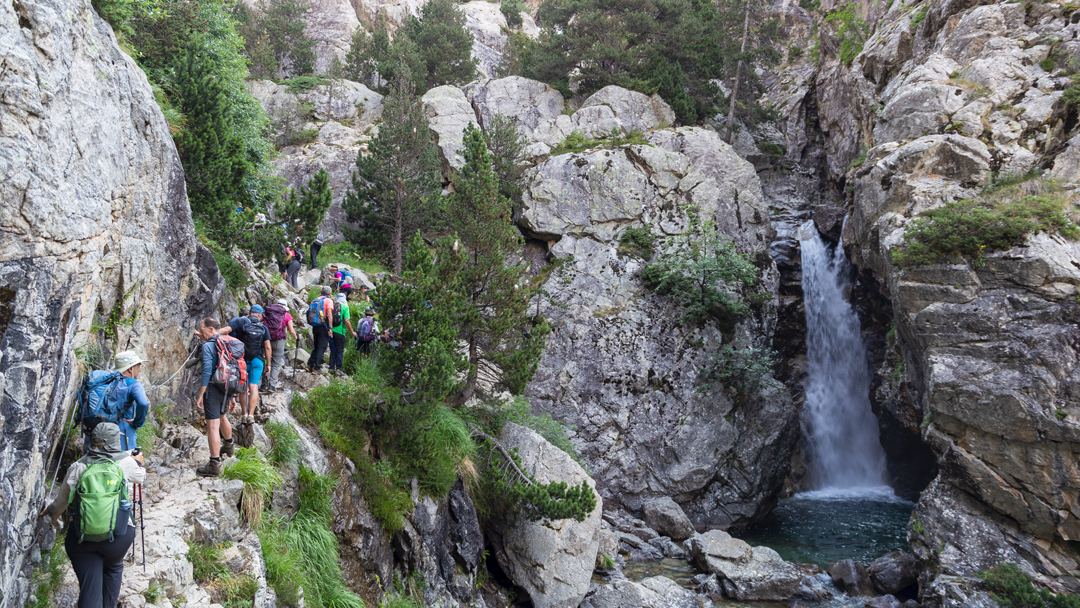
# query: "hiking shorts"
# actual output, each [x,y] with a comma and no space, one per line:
[255,370]
[213,402]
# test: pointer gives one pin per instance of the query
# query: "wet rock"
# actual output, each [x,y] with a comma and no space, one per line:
[893,572]
[815,587]
[709,586]
[884,601]
[551,561]
[655,592]
[851,577]
[745,572]
[829,221]
[637,549]
[666,517]
[668,548]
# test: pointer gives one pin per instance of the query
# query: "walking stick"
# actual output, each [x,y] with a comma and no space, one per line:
[142,525]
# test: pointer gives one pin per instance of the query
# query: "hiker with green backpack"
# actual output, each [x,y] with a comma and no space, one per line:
[100,526]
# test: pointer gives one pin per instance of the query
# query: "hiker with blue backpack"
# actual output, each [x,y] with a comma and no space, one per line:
[343,281]
[337,347]
[100,526]
[114,396]
[224,373]
[320,316]
[367,331]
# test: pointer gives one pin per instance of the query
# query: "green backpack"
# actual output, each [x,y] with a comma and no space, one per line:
[100,489]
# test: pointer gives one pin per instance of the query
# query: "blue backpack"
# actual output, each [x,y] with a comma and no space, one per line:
[102,398]
[316,313]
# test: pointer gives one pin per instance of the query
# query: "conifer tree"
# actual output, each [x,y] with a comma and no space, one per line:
[308,208]
[284,23]
[507,147]
[395,185]
[493,322]
[444,44]
[210,151]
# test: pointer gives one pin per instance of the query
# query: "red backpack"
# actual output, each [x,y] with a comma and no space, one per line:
[231,370]
[274,319]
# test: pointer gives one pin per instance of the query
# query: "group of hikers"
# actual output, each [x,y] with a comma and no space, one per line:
[292,259]
[235,359]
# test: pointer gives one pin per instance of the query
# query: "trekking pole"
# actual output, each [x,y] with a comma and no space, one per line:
[63,446]
[142,525]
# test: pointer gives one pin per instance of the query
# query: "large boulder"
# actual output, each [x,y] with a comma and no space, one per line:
[619,365]
[746,573]
[448,112]
[96,225]
[851,577]
[536,108]
[614,107]
[666,517]
[488,26]
[552,561]
[654,592]
[893,572]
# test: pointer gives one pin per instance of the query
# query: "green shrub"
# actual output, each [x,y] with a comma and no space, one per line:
[1013,588]
[971,229]
[252,468]
[850,32]
[49,577]
[116,12]
[1071,96]
[640,240]
[231,270]
[578,142]
[300,84]
[745,367]
[284,441]
[346,253]
[1048,64]
[301,137]
[919,16]
[771,149]
[207,561]
[703,273]
[604,562]
[512,9]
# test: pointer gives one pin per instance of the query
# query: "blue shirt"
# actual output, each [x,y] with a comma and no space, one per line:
[137,404]
[208,361]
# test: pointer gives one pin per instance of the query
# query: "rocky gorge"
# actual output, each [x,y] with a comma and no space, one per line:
[974,361]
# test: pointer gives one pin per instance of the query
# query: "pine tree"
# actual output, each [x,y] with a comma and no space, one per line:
[395,185]
[307,209]
[443,42]
[493,323]
[507,147]
[284,22]
[215,168]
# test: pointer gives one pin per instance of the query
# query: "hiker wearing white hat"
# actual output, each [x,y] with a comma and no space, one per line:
[133,416]
[278,322]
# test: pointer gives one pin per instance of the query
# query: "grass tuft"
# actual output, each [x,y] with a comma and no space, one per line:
[284,442]
[259,477]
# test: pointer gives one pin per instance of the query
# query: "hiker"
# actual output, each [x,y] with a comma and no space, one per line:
[278,322]
[129,364]
[367,331]
[319,316]
[295,261]
[256,338]
[344,281]
[211,400]
[316,245]
[98,562]
[337,355]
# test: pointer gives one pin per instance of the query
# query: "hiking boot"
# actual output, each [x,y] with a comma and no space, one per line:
[211,469]
[228,448]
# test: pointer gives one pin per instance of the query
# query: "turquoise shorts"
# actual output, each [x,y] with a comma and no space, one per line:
[255,369]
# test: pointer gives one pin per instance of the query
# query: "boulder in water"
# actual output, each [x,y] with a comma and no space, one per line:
[893,572]
[852,577]
[666,517]
[745,572]
[884,601]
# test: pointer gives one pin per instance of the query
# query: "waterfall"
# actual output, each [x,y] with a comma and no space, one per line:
[842,429]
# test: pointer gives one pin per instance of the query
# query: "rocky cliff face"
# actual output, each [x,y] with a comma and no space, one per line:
[98,252]
[944,96]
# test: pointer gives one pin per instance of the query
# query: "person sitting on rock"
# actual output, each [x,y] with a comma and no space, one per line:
[133,413]
[211,400]
[99,565]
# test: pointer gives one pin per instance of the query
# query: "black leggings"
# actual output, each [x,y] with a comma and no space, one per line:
[99,567]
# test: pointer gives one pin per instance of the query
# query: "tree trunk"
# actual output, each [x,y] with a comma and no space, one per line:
[738,69]
[399,229]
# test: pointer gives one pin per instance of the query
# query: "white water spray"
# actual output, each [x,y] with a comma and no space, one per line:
[843,432]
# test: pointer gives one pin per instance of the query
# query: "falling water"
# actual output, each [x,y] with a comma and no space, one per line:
[843,432]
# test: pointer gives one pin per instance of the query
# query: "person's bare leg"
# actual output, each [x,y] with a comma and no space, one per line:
[226,428]
[253,399]
[213,428]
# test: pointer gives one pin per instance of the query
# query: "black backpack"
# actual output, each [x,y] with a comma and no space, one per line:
[253,336]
